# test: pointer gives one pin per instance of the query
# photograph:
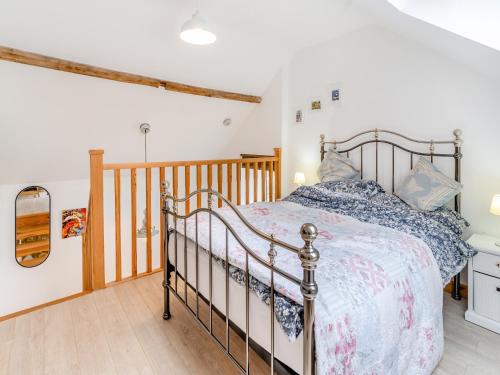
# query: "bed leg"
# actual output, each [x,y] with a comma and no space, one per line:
[167,267]
[456,294]
[166,292]
[309,257]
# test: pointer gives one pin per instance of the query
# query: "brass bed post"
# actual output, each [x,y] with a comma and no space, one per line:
[456,294]
[309,257]
[166,265]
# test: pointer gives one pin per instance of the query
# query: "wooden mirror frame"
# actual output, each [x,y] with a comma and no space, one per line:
[16,221]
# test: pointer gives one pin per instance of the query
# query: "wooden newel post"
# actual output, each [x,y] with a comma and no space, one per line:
[97,217]
[277,153]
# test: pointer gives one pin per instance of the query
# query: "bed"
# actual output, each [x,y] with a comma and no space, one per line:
[360,291]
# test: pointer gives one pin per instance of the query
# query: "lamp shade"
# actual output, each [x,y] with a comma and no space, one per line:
[195,31]
[495,205]
[299,178]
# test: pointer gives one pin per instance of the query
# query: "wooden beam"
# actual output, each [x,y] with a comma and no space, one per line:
[35,59]
[211,93]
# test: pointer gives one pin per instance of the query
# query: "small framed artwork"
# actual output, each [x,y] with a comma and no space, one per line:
[316,105]
[335,95]
[298,116]
[74,222]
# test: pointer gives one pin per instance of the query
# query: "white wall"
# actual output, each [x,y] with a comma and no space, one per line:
[48,122]
[61,274]
[261,131]
[390,82]
[56,117]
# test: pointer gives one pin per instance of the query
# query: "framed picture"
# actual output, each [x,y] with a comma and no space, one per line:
[316,105]
[298,116]
[335,95]
[74,222]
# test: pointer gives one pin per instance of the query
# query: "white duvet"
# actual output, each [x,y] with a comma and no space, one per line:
[379,306]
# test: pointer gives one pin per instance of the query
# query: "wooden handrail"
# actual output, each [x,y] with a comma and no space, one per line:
[185,163]
[35,59]
[265,168]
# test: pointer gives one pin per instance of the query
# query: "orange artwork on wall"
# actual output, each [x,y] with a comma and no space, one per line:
[73,222]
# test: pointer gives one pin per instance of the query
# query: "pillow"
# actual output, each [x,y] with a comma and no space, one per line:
[336,167]
[426,188]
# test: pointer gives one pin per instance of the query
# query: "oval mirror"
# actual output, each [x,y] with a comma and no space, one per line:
[32,226]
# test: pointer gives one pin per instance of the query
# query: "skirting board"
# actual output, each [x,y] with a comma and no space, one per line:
[38,307]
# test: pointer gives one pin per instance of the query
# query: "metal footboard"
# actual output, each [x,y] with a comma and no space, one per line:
[307,255]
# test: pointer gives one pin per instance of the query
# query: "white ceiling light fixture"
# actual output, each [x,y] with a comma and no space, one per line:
[195,31]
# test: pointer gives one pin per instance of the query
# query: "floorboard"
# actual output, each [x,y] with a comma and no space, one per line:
[120,330]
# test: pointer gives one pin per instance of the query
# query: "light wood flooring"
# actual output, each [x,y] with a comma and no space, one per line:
[119,330]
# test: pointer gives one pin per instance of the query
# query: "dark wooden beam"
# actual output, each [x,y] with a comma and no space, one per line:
[35,59]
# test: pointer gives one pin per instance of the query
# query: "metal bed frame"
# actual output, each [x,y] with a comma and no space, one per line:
[457,143]
[308,255]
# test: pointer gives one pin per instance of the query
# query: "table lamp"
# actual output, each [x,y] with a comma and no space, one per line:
[300,179]
[495,209]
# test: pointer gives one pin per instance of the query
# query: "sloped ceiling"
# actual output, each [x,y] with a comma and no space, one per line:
[478,20]
[142,36]
[472,53]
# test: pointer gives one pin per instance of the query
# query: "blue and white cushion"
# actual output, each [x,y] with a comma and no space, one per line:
[426,188]
[336,167]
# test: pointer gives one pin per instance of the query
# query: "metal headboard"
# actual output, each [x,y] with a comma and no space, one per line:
[377,138]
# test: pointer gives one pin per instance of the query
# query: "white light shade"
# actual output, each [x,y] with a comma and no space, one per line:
[195,31]
[299,178]
[495,205]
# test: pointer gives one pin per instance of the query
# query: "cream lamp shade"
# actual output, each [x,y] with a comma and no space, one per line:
[196,31]
[495,205]
[299,178]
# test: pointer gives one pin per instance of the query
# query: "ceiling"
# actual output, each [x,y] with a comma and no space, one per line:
[474,54]
[477,20]
[255,37]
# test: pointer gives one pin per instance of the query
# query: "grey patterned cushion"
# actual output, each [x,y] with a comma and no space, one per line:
[336,167]
[426,188]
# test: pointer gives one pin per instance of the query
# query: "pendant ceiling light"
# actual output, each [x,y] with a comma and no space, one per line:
[195,31]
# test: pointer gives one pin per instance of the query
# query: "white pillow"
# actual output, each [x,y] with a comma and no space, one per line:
[336,167]
[426,188]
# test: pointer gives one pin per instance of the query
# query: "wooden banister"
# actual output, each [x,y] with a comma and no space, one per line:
[183,163]
[87,253]
[277,172]
[97,212]
[267,168]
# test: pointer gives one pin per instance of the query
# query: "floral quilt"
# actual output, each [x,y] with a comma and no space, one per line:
[379,307]
[366,201]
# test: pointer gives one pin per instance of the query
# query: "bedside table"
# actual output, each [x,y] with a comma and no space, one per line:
[484,283]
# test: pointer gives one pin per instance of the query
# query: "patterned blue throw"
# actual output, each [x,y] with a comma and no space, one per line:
[367,201]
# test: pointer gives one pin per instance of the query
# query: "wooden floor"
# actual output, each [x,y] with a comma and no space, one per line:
[119,330]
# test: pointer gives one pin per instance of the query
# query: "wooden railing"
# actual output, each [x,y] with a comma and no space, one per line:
[236,179]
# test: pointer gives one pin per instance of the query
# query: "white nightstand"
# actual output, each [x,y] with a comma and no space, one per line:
[484,283]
